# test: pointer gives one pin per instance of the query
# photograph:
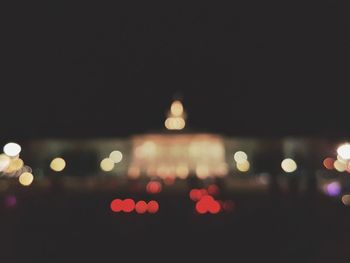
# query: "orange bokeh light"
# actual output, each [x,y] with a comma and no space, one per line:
[328,163]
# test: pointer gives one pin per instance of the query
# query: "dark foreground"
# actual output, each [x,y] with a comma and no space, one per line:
[61,226]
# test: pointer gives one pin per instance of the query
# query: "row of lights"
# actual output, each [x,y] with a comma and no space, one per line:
[129,205]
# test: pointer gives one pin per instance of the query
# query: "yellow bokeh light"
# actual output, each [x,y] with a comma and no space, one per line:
[116,156]
[58,164]
[339,166]
[202,171]
[182,171]
[107,165]
[4,162]
[240,156]
[15,165]
[175,123]
[12,149]
[176,108]
[289,165]
[346,200]
[243,166]
[26,179]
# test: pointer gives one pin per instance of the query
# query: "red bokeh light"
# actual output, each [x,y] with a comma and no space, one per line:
[117,205]
[214,207]
[204,192]
[141,207]
[154,187]
[128,205]
[328,163]
[153,207]
[201,207]
[213,189]
[195,195]
[208,204]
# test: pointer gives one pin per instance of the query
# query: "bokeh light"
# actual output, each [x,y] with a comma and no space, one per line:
[346,199]
[128,205]
[58,164]
[344,151]
[12,149]
[15,165]
[240,156]
[116,156]
[26,179]
[154,187]
[141,207]
[333,189]
[4,162]
[328,163]
[107,165]
[152,207]
[243,166]
[177,108]
[289,165]
[116,205]
[339,166]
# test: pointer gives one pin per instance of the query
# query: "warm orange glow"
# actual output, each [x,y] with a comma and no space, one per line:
[134,172]
[328,163]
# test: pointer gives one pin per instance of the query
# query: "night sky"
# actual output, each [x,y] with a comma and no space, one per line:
[253,68]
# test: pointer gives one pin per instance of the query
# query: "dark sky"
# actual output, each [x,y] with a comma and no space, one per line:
[250,68]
